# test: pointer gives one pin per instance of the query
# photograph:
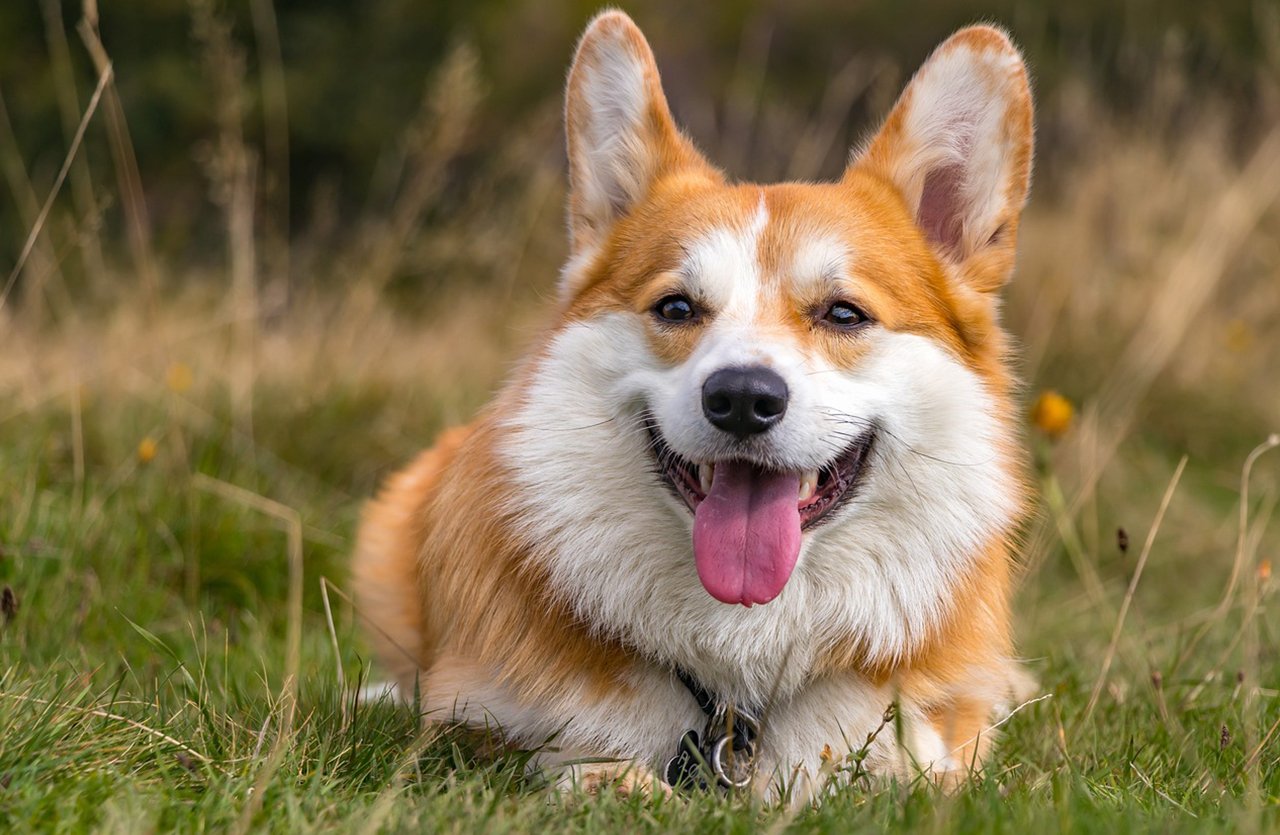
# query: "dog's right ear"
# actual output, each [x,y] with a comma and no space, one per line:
[621,136]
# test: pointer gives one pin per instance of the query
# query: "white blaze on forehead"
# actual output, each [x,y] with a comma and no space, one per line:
[724,266]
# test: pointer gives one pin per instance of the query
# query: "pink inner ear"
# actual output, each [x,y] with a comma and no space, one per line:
[941,212]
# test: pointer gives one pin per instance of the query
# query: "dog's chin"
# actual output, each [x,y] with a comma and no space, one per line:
[821,491]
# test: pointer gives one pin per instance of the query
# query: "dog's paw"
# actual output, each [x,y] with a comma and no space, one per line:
[625,779]
[379,692]
[953,780]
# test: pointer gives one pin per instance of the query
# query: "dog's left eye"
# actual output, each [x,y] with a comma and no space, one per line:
[675,309]
[844,314]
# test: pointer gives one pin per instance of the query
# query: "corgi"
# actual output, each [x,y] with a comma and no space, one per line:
[755,496]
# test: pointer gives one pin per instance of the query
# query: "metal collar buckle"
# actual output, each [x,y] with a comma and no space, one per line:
[726,752]
[731,735]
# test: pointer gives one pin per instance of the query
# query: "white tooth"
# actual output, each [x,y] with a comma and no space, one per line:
[706,475]
[808,484]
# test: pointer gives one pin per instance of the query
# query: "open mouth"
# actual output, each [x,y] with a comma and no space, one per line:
[820,491]
[747,519]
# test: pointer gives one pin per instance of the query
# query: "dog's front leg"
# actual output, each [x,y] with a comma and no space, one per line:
[584,737]
[843,727]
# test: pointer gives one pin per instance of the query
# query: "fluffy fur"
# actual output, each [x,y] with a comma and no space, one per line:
[531,572]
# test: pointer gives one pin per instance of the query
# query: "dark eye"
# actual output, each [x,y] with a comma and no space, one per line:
[675,309]
[845,315]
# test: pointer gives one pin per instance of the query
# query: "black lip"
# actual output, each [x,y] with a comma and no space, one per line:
[837,481]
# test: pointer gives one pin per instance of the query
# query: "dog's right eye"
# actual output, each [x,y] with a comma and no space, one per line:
[675,309]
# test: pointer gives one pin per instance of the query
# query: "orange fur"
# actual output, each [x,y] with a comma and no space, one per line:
[437,584]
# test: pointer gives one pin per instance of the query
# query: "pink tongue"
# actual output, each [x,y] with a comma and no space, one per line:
[746,533]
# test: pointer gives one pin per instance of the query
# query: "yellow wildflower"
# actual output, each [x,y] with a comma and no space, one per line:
[146,450]
[178,377]
[1238,336]
[1052,413]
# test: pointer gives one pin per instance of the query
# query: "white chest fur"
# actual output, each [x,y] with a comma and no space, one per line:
[616,544]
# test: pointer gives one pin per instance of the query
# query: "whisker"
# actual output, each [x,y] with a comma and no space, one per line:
[854,420]
[575,428]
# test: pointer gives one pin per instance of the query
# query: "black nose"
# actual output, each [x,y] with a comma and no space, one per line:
[744,401]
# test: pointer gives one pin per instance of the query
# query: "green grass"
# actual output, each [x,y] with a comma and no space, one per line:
[141,676]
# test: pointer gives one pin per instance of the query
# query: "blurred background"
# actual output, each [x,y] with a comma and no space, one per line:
[293,240]
[332,99]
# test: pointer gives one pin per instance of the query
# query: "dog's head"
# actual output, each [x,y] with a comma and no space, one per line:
[774,380]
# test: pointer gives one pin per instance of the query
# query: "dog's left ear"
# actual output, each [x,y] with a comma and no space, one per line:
[622,139]
[958,147]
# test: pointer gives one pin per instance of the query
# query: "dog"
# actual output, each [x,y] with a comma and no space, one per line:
[747,514]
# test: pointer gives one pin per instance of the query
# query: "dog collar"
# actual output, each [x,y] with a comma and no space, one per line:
[726,750]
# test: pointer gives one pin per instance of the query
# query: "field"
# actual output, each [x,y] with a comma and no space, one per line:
[186,440]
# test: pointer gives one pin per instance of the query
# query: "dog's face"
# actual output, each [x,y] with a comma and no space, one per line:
[752,382]
[788,332]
